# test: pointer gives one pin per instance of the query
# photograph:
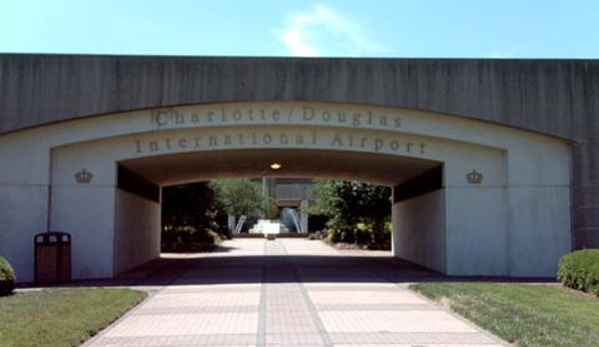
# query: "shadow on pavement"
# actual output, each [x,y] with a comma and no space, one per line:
[197,269]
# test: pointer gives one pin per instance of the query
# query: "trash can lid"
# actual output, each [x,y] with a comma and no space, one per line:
[52,237]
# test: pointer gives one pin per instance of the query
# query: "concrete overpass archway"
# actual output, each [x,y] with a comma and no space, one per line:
[470,197]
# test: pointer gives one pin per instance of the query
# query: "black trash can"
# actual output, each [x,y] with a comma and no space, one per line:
[52,257]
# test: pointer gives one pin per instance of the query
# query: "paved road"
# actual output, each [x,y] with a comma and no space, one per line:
[287,292]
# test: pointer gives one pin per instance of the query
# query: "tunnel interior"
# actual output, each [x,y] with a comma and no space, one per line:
[139,182]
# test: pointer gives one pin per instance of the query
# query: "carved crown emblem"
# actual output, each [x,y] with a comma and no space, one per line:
[83,176]
[474,177]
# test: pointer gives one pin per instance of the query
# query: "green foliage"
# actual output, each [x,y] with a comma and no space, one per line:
[525,315]
[327,198]
[358,212]
[194,215]
[189,205]
[7,277]
[580,270]
[61,317]
[241,197]
[316,236]
[190,218]
[187,239]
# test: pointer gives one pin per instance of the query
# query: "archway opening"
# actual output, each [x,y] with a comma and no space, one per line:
[501,192]
[139,181]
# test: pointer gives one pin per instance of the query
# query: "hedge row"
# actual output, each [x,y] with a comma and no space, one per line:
[7,277]
[580,270]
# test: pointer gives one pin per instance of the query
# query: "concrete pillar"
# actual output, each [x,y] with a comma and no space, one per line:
[304,216]
[87,212]
[231,222]
[394,225]
[23,212]
[419,230]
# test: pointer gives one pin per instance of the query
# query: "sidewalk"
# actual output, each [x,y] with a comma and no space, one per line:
[289,292]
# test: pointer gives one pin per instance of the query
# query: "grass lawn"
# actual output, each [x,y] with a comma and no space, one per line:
[527,315]
[61,317]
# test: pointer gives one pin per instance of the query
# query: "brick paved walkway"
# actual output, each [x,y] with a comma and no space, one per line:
[288,292]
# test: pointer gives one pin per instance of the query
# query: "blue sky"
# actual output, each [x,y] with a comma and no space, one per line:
[373,28]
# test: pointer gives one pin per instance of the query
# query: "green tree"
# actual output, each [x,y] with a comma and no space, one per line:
[189,215]
[187,205]
[240,197]
[350,205]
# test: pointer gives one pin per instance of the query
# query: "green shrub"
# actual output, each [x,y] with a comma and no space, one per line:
[580,270]
[189,239]
[7,277]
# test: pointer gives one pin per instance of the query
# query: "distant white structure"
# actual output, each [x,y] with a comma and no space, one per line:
[267,227]
[240,224]
[294,193]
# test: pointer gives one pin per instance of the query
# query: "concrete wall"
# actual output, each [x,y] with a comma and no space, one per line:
[23,213]
[524,173]
[419,230]
[87,213]
[477,233]
[87,210]
[536,226]
[136,231]
[24,198]
[555,97]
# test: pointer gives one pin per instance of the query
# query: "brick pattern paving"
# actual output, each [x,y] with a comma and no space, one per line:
[289,292]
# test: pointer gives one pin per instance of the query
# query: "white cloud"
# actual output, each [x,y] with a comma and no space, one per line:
[323,31]
[502,54]
[514,51]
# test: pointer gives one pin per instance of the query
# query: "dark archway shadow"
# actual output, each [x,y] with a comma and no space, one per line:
[224,268]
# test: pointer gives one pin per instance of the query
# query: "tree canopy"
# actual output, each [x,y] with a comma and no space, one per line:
[240,197]
[350,205]
[187,205]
